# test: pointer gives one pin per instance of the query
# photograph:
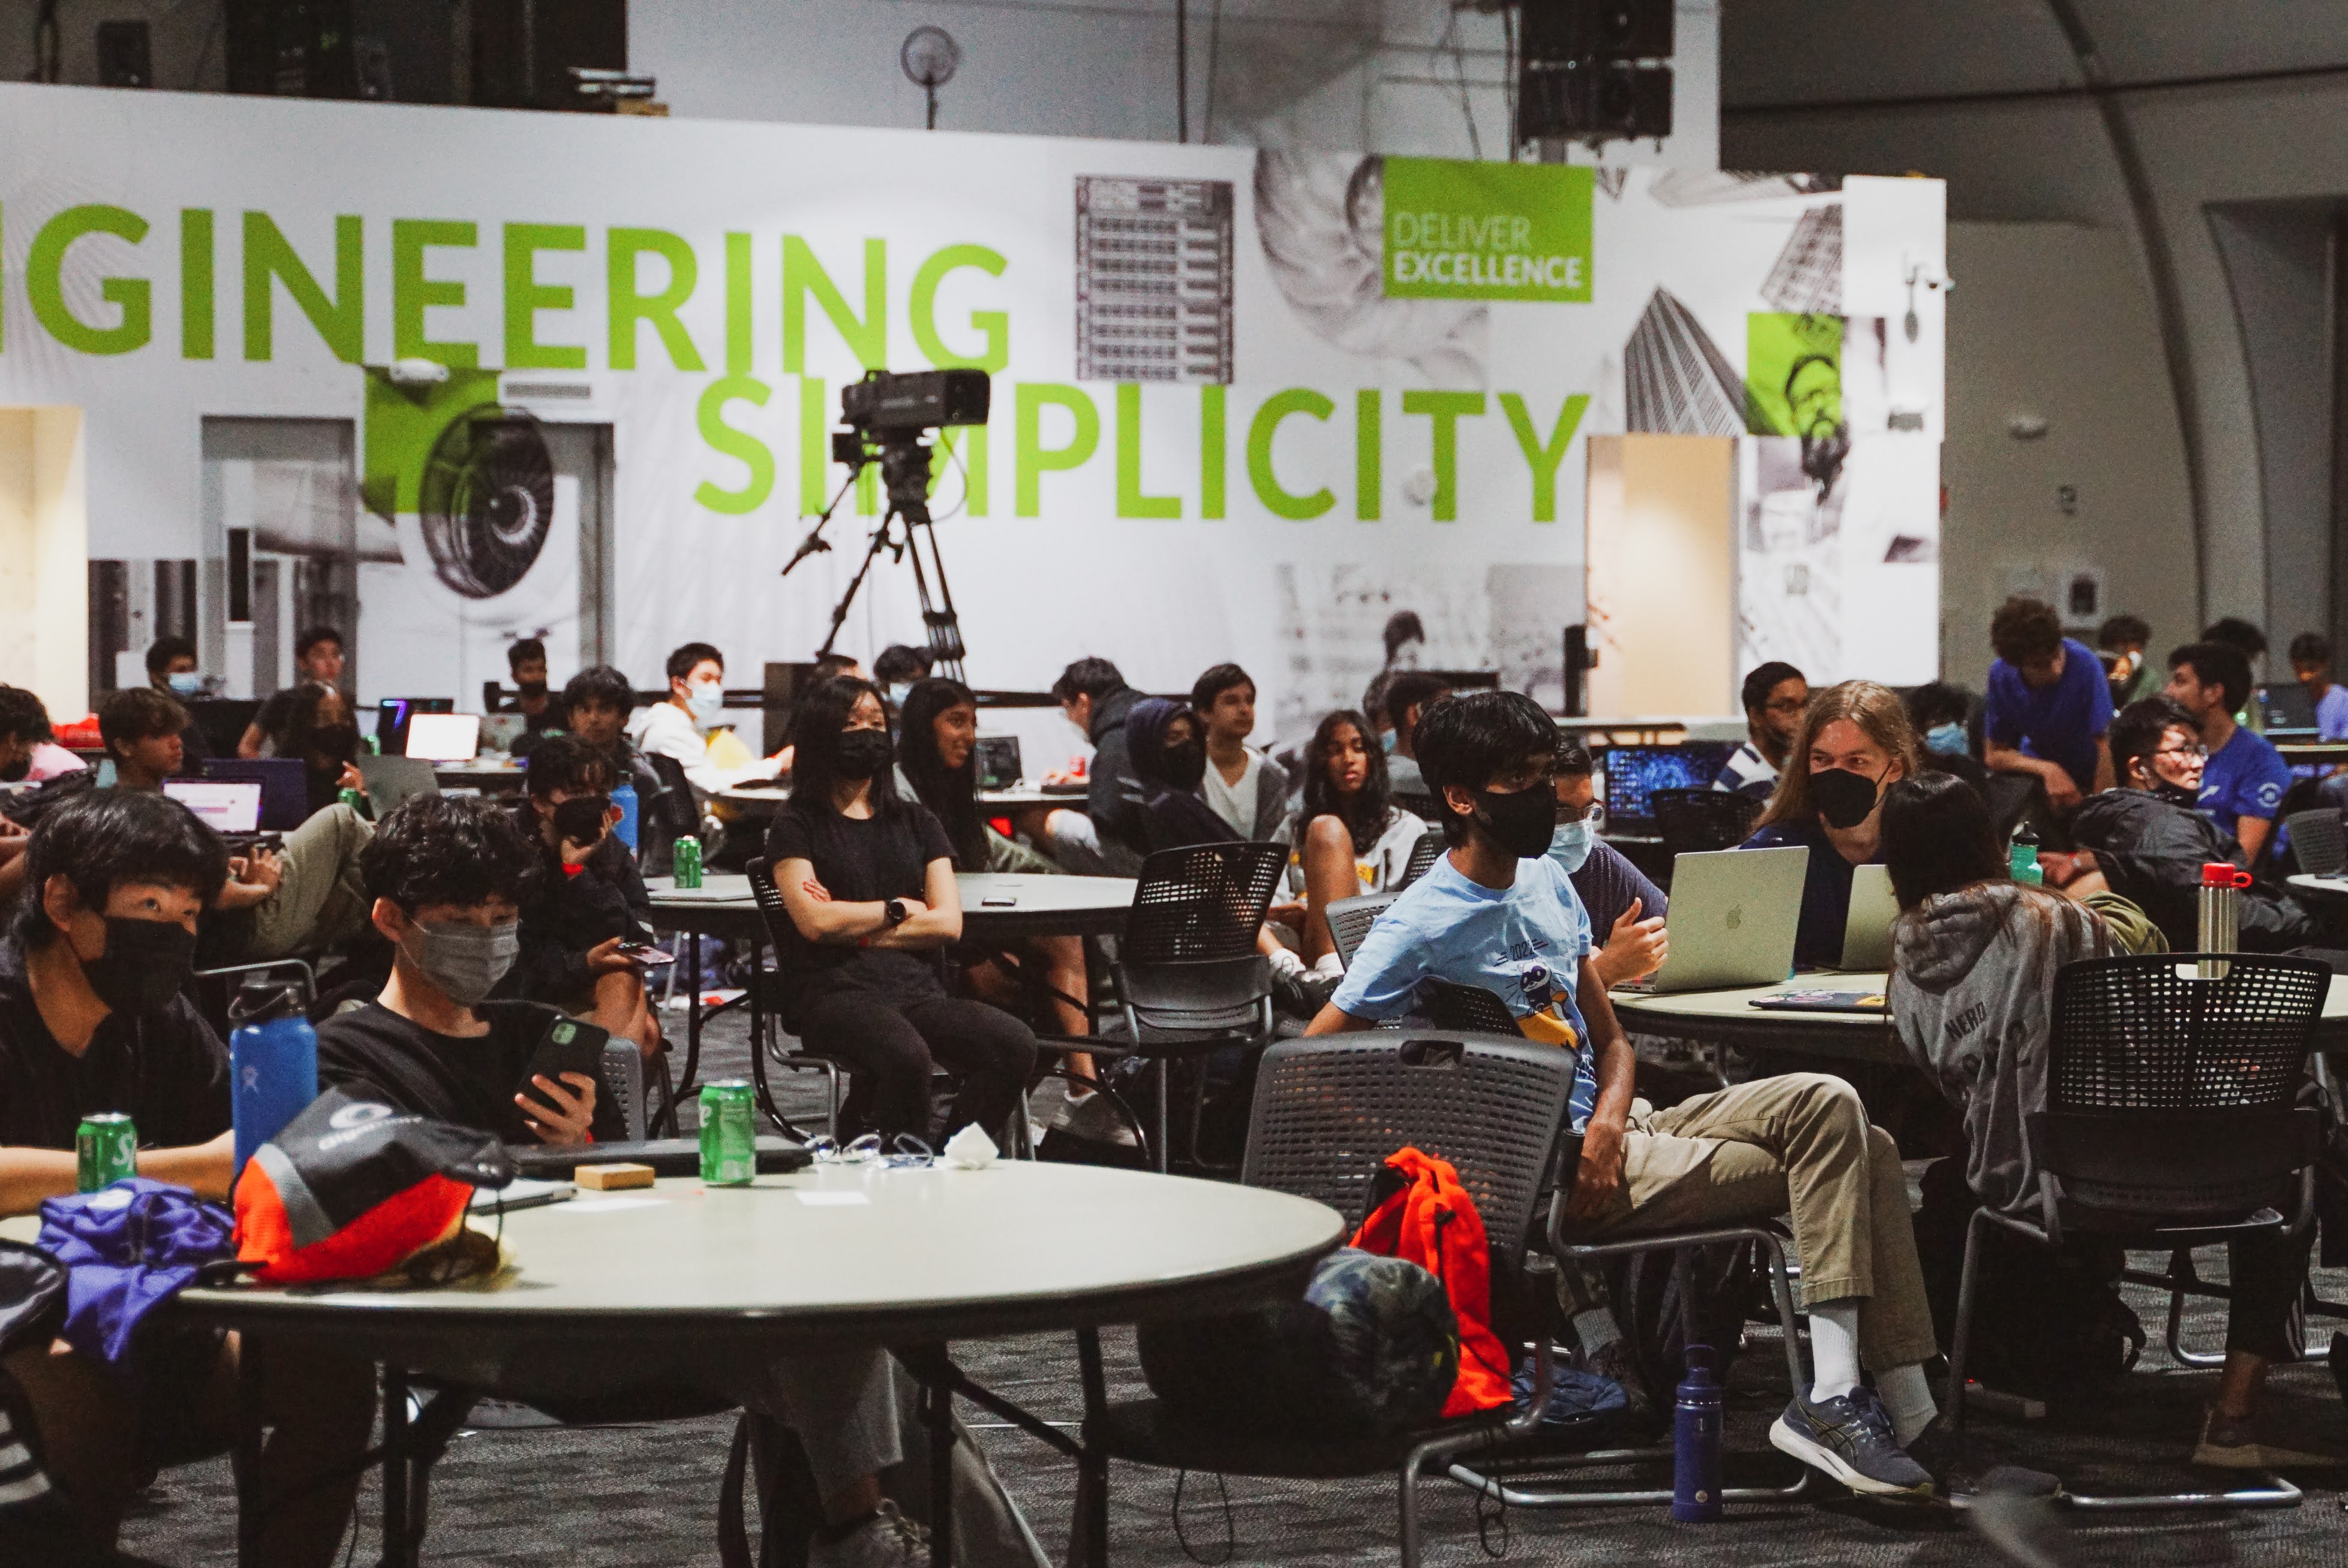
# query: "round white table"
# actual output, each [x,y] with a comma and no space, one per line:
[678,1283]
[1729,1017]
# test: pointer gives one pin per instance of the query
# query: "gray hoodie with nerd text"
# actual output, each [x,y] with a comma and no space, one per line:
[1973,994]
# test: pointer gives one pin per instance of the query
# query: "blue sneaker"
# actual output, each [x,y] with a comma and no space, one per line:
[1850,1437]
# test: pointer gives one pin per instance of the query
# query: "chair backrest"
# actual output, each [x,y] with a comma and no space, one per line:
[1328,1111]
[674,812]
[2320,839]
[781,930]
[623,1082]
[2149,1034]
[1349,920]
[1419,804]
[1198,996]
[1449,1004]
[1202,901]
[1422,858]
[1694,821]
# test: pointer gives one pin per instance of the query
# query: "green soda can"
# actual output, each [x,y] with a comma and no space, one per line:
[688,862]
[106,1150]
[351,798]
[729,1135]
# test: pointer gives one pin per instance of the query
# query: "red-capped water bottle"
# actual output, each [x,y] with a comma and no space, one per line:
[2221,912]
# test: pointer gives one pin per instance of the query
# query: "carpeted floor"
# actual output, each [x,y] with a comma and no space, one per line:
[620,1498]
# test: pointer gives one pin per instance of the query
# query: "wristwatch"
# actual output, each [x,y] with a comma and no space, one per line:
[897,912]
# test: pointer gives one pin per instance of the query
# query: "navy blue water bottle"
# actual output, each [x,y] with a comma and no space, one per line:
[624,796]
[273,1060]
[1695,1441]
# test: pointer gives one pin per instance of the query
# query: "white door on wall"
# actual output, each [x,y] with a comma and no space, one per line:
[281,512]
[427,638]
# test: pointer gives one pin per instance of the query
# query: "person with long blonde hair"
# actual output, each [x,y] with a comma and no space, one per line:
[1855,742]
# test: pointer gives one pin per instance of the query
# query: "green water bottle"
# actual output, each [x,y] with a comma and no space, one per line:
[688,862]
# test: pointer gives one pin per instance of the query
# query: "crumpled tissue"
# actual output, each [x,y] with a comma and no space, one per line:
[969,1150]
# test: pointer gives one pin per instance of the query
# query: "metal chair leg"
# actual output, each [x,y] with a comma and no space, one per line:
[1961,1341]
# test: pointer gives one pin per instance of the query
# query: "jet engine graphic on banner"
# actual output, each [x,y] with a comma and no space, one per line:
[475,475]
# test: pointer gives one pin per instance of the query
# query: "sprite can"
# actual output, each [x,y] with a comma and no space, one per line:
[688,862]
[105,1149]
[729,1135]
[350,797]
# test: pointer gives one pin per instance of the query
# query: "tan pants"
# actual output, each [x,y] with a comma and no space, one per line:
[1801,1142]
[321,902]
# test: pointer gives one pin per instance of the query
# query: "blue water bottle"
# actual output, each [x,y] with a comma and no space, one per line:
[273,1060]
[624,797]
[1695,1441]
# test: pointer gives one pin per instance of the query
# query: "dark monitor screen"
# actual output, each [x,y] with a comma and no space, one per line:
[2286,709]
[998,762]
[1635,773]
[392,714]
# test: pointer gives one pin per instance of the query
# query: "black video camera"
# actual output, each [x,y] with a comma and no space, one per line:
[886,403]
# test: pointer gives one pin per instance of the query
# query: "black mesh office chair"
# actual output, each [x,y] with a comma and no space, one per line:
[1422,858]
[1693,821]
[1189,981]
[2171,1124]
[2320,839]
[1327,1113]
[1349,920]
[1449,1004]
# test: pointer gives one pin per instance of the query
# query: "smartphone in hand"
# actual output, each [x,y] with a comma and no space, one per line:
[569,1045]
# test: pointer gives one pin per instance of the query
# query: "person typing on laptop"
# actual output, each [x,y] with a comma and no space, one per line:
[1497,911]
[448,874]
[1855,742]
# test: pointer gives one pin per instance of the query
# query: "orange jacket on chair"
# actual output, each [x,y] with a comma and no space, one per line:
[1433,1223]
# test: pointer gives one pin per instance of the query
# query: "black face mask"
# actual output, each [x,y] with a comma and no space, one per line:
[1522,823]
[533,689]
[145,965]
[863,752]
[1186,764]
[580,819]
[1843,797]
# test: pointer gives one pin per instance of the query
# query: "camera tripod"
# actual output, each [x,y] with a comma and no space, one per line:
[905,527]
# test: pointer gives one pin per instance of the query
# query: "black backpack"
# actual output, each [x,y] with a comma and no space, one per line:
[2047,1325]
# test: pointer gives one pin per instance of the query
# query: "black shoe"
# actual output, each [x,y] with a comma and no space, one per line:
[1961,1466]
[1850,1437]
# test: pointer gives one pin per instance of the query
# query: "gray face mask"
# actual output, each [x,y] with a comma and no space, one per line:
[466,961]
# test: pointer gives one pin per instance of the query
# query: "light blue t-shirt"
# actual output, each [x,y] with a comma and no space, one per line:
[2332,714]
[1524,944]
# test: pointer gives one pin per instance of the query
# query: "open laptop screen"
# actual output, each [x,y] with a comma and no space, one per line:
[444,737]
[1633,774]
[222,804]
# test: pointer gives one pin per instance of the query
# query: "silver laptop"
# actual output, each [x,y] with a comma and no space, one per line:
[391,780]
[1733,916]
[1867,930]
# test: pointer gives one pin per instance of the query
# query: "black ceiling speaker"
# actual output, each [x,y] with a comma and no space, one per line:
[486,501]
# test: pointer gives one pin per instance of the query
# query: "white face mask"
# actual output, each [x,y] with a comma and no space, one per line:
[706,699]
[1570,844]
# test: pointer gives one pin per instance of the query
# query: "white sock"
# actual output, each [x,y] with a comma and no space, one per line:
[1330,964]
[1908,1398]
[1834,1349]
[1595,1330]
[1284,961]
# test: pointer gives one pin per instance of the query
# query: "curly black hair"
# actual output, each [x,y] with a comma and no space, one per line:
[448,849]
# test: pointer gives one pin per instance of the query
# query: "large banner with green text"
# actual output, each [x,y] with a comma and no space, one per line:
[453,377]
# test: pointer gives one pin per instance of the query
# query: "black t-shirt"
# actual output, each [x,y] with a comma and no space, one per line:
[862,862]
[169,1070]
[373,1053]
[277,715]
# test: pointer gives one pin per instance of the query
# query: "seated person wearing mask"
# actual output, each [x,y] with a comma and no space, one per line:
[680,727]
[1346,839]
[1104,839]
[1937,711]
[317,661]
[93,1018]
[1854,742]
[867,879]
[1775,694]
[1408,696]
[1498,912]
[448,874]
[895,669]
[596,704]
[587,897]
[171,670]
[1247,789]
[526,665]
[2048,705]
[1973,993]
[1169,759]
[28,752]
[322,729]
[1619,898]
[937,764]
[2242,785]
[2145,841]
